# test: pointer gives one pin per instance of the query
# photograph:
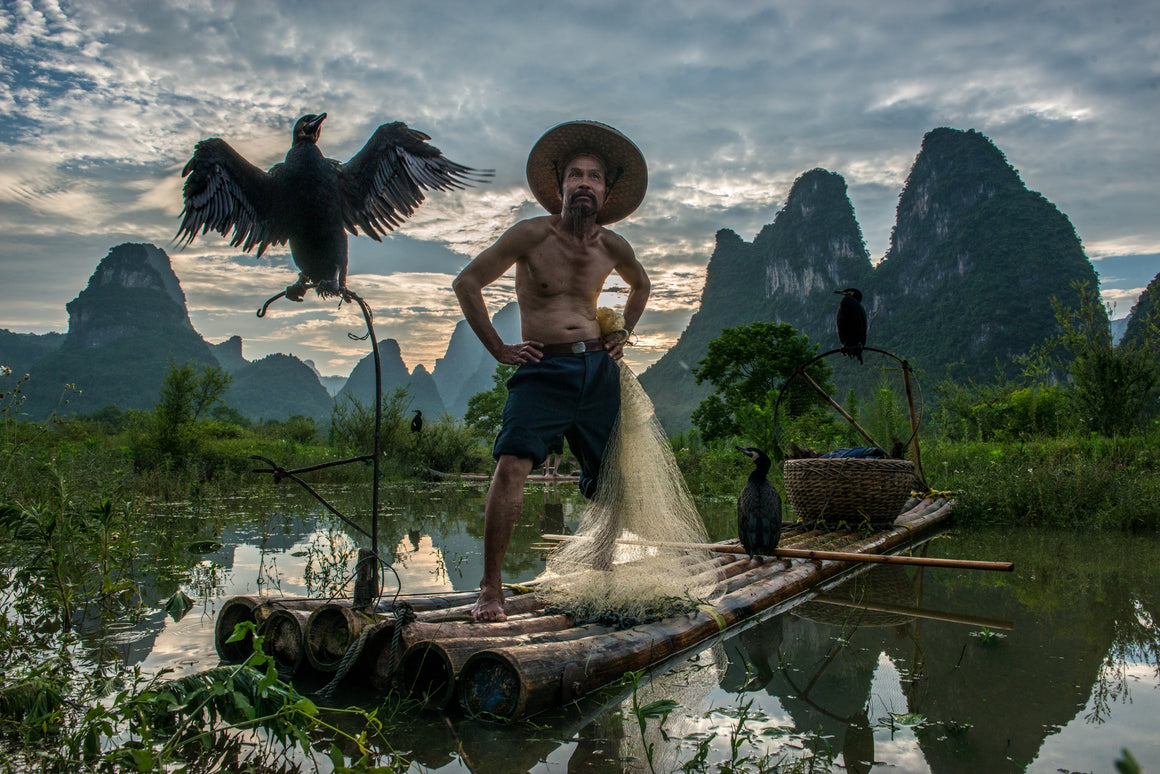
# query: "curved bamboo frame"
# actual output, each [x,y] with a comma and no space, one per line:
[906,371]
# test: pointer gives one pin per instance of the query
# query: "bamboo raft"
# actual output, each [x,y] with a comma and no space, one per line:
[429,646]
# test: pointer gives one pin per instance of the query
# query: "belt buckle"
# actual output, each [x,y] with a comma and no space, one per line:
[579,348]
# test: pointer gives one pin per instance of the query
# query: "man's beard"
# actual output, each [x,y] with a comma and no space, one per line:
[580,210]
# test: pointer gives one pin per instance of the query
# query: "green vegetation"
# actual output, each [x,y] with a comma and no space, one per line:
[748,367]
[1072,442]
[747,743]
[485,409]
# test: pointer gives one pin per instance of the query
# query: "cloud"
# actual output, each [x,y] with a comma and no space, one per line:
[102,103]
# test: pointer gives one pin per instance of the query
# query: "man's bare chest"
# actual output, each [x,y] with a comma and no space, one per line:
[556,268]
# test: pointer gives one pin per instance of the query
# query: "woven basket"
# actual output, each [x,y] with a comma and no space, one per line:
[853,490]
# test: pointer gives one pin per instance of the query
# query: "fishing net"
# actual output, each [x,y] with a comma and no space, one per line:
[629,561]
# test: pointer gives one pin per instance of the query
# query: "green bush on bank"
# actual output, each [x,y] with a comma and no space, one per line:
[1074,482]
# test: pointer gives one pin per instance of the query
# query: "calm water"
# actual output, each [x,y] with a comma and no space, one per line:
[1051,668]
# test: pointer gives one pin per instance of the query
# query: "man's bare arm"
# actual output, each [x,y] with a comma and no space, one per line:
[488,267]
[629,269]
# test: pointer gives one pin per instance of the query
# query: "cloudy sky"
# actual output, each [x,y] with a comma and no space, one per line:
[102,101]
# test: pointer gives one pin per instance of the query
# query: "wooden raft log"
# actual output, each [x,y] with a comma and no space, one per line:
[507,683]
[255,610]
[428,668]
[330,631]
[284,636]
[436,651]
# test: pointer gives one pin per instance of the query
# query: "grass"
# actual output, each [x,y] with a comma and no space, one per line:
[1080,482]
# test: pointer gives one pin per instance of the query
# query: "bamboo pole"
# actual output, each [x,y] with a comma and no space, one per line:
[329,631]
[833,556]
[255,610]
[839,409]
[917,612]
[913,419]
[428,668]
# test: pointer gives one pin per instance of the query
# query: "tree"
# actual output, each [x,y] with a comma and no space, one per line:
[748,365]
[485,409]
[1112,386]
[186,394]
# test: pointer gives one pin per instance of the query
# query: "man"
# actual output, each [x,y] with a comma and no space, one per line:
[586,174]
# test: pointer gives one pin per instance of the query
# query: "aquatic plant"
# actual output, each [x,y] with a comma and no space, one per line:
[748,739]
[240,718]
[987,636]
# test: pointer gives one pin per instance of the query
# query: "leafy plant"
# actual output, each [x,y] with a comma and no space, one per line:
[485,409]
[1111,385]
[747,366]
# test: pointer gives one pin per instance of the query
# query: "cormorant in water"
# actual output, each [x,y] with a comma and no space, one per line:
[311,201]
[851,321]
[417,422]
[758,508]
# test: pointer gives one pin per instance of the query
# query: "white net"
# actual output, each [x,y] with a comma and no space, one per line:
[635,556]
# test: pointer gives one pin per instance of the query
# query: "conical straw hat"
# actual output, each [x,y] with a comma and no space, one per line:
[626,169]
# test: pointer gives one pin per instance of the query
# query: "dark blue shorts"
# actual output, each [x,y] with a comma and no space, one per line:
[577,396]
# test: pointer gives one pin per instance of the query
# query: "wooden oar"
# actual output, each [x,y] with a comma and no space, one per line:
[835,556]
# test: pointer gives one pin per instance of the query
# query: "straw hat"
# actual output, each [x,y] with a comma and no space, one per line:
[626,169]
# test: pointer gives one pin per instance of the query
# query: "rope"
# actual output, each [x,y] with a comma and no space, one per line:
[403,615]
[344,666]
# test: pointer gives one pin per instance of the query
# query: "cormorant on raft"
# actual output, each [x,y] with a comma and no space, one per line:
[311,201]
[851,322]
[758,508]
[417,422]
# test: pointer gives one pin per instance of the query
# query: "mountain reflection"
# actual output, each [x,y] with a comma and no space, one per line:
[977,697]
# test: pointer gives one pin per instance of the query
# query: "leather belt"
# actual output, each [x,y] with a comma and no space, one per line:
[574,348]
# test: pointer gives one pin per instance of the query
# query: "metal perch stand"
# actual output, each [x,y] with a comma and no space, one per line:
[367,586]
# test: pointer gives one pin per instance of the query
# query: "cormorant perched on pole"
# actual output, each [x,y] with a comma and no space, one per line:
[417,422]
[311,201]
[851,321]
[758,508]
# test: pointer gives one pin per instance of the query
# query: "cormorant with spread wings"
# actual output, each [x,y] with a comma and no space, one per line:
[311,201]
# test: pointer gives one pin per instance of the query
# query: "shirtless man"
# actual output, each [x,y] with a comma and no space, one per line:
[586,174]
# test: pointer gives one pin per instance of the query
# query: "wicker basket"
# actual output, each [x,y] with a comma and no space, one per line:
[853,490]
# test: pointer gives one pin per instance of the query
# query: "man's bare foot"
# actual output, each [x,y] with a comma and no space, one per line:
[489,608]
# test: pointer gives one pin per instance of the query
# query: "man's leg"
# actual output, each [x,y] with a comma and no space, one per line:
[505,498]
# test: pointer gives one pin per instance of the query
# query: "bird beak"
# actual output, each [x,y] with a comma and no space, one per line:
[312,127]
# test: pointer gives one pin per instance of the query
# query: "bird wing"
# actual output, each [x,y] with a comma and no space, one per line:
[224,192]
[384,182]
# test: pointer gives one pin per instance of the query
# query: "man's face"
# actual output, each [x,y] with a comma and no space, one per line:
[584,185]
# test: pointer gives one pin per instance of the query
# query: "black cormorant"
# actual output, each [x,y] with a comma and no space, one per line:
[758,508]
[417,422]
[311,201]
[851,321]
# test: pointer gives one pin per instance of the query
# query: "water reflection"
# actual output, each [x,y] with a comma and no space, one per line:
[1054,666]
